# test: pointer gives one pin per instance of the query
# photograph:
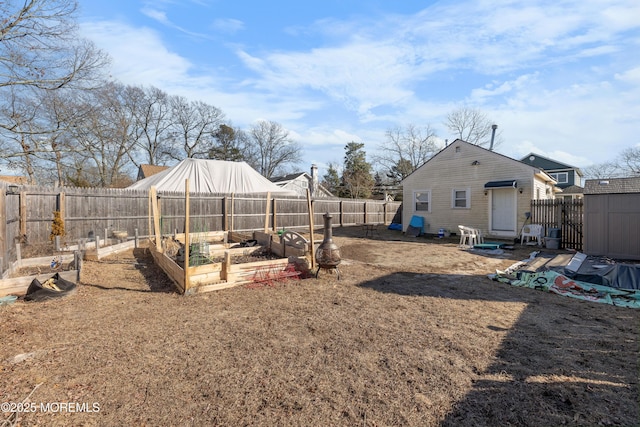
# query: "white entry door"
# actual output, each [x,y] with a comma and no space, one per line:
[503,210]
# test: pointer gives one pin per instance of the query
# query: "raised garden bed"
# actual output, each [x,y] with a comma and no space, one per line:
[221,260]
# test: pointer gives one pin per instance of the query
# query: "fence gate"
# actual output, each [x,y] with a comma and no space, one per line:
[567,215]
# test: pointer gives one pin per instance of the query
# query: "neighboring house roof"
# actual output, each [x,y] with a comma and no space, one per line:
[281,180]
[14,179]
[573,189]
[612,186]
[286,181]
[547,164]
[211,176]
[145,171]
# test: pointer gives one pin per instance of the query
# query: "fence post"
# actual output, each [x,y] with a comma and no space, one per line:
[366,217]
[341,213]
[275,215]
[77,262]
[3,227]
[384,213]
[61,207]
[23,214]
[225,224]
[135,242]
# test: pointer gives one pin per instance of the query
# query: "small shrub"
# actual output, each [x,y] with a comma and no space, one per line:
[57,226]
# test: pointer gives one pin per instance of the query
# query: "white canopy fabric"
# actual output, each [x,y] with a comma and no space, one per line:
[211,176]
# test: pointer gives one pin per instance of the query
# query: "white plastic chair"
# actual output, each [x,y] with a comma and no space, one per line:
[532,232]
[470,236]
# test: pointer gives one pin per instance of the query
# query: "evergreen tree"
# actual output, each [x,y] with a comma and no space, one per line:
[331,180]
[356,176]
[226,145]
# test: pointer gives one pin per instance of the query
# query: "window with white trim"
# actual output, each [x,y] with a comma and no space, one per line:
[460,198]
[560,177]
[422,200]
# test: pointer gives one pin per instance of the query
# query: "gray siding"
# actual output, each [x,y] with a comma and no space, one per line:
[612,225]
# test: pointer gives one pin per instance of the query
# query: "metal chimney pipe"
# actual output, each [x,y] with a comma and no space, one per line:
[493,136]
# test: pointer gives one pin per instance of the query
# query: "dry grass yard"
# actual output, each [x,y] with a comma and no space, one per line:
[414,334]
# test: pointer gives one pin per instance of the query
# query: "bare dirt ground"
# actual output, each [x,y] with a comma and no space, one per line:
[413,334]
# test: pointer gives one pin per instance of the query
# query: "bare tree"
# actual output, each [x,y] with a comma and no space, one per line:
[471,125]
[629,161]
[193,126]
[18,144]
[152,113]
[106,133]
[602,170]
[40,47]
[406,149]
[40,52]
[275,149]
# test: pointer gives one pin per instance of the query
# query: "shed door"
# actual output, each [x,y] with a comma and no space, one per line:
[503,209]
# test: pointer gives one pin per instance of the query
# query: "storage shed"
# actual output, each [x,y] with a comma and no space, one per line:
[612,218]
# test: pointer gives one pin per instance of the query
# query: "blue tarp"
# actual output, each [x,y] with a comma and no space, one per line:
[417,222]
[552,281]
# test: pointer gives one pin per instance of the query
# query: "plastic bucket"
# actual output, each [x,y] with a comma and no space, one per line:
[552,243]
[441,233]
[555,233]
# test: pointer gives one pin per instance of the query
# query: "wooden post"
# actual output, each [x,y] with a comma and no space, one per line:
[156,217]
[23,214]
[77,262]
[227,265]
[384,213]
[225,223]
[341,213]
[232,207]
[135,241]
[149,218]
[62,208]
[3,226]
[311,240]
[275,216]
[186,235]
[266,214]
[366,217]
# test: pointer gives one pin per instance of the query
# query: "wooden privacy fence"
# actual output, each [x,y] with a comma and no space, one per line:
[566,215]
[26,213]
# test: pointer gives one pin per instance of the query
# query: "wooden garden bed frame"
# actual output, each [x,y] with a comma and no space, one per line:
[18,285]
[214,276]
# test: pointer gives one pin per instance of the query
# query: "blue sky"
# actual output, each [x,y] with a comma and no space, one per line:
[561,78]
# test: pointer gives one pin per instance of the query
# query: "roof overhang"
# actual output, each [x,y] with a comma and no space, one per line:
[511,183]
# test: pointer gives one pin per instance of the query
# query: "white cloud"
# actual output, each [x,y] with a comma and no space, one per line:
[139,54]
[535,67]
[228,25]
[156,15]
[631,76]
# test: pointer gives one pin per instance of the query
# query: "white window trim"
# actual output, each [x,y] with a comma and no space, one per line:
[556,176]
[467,198]
[415,200]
